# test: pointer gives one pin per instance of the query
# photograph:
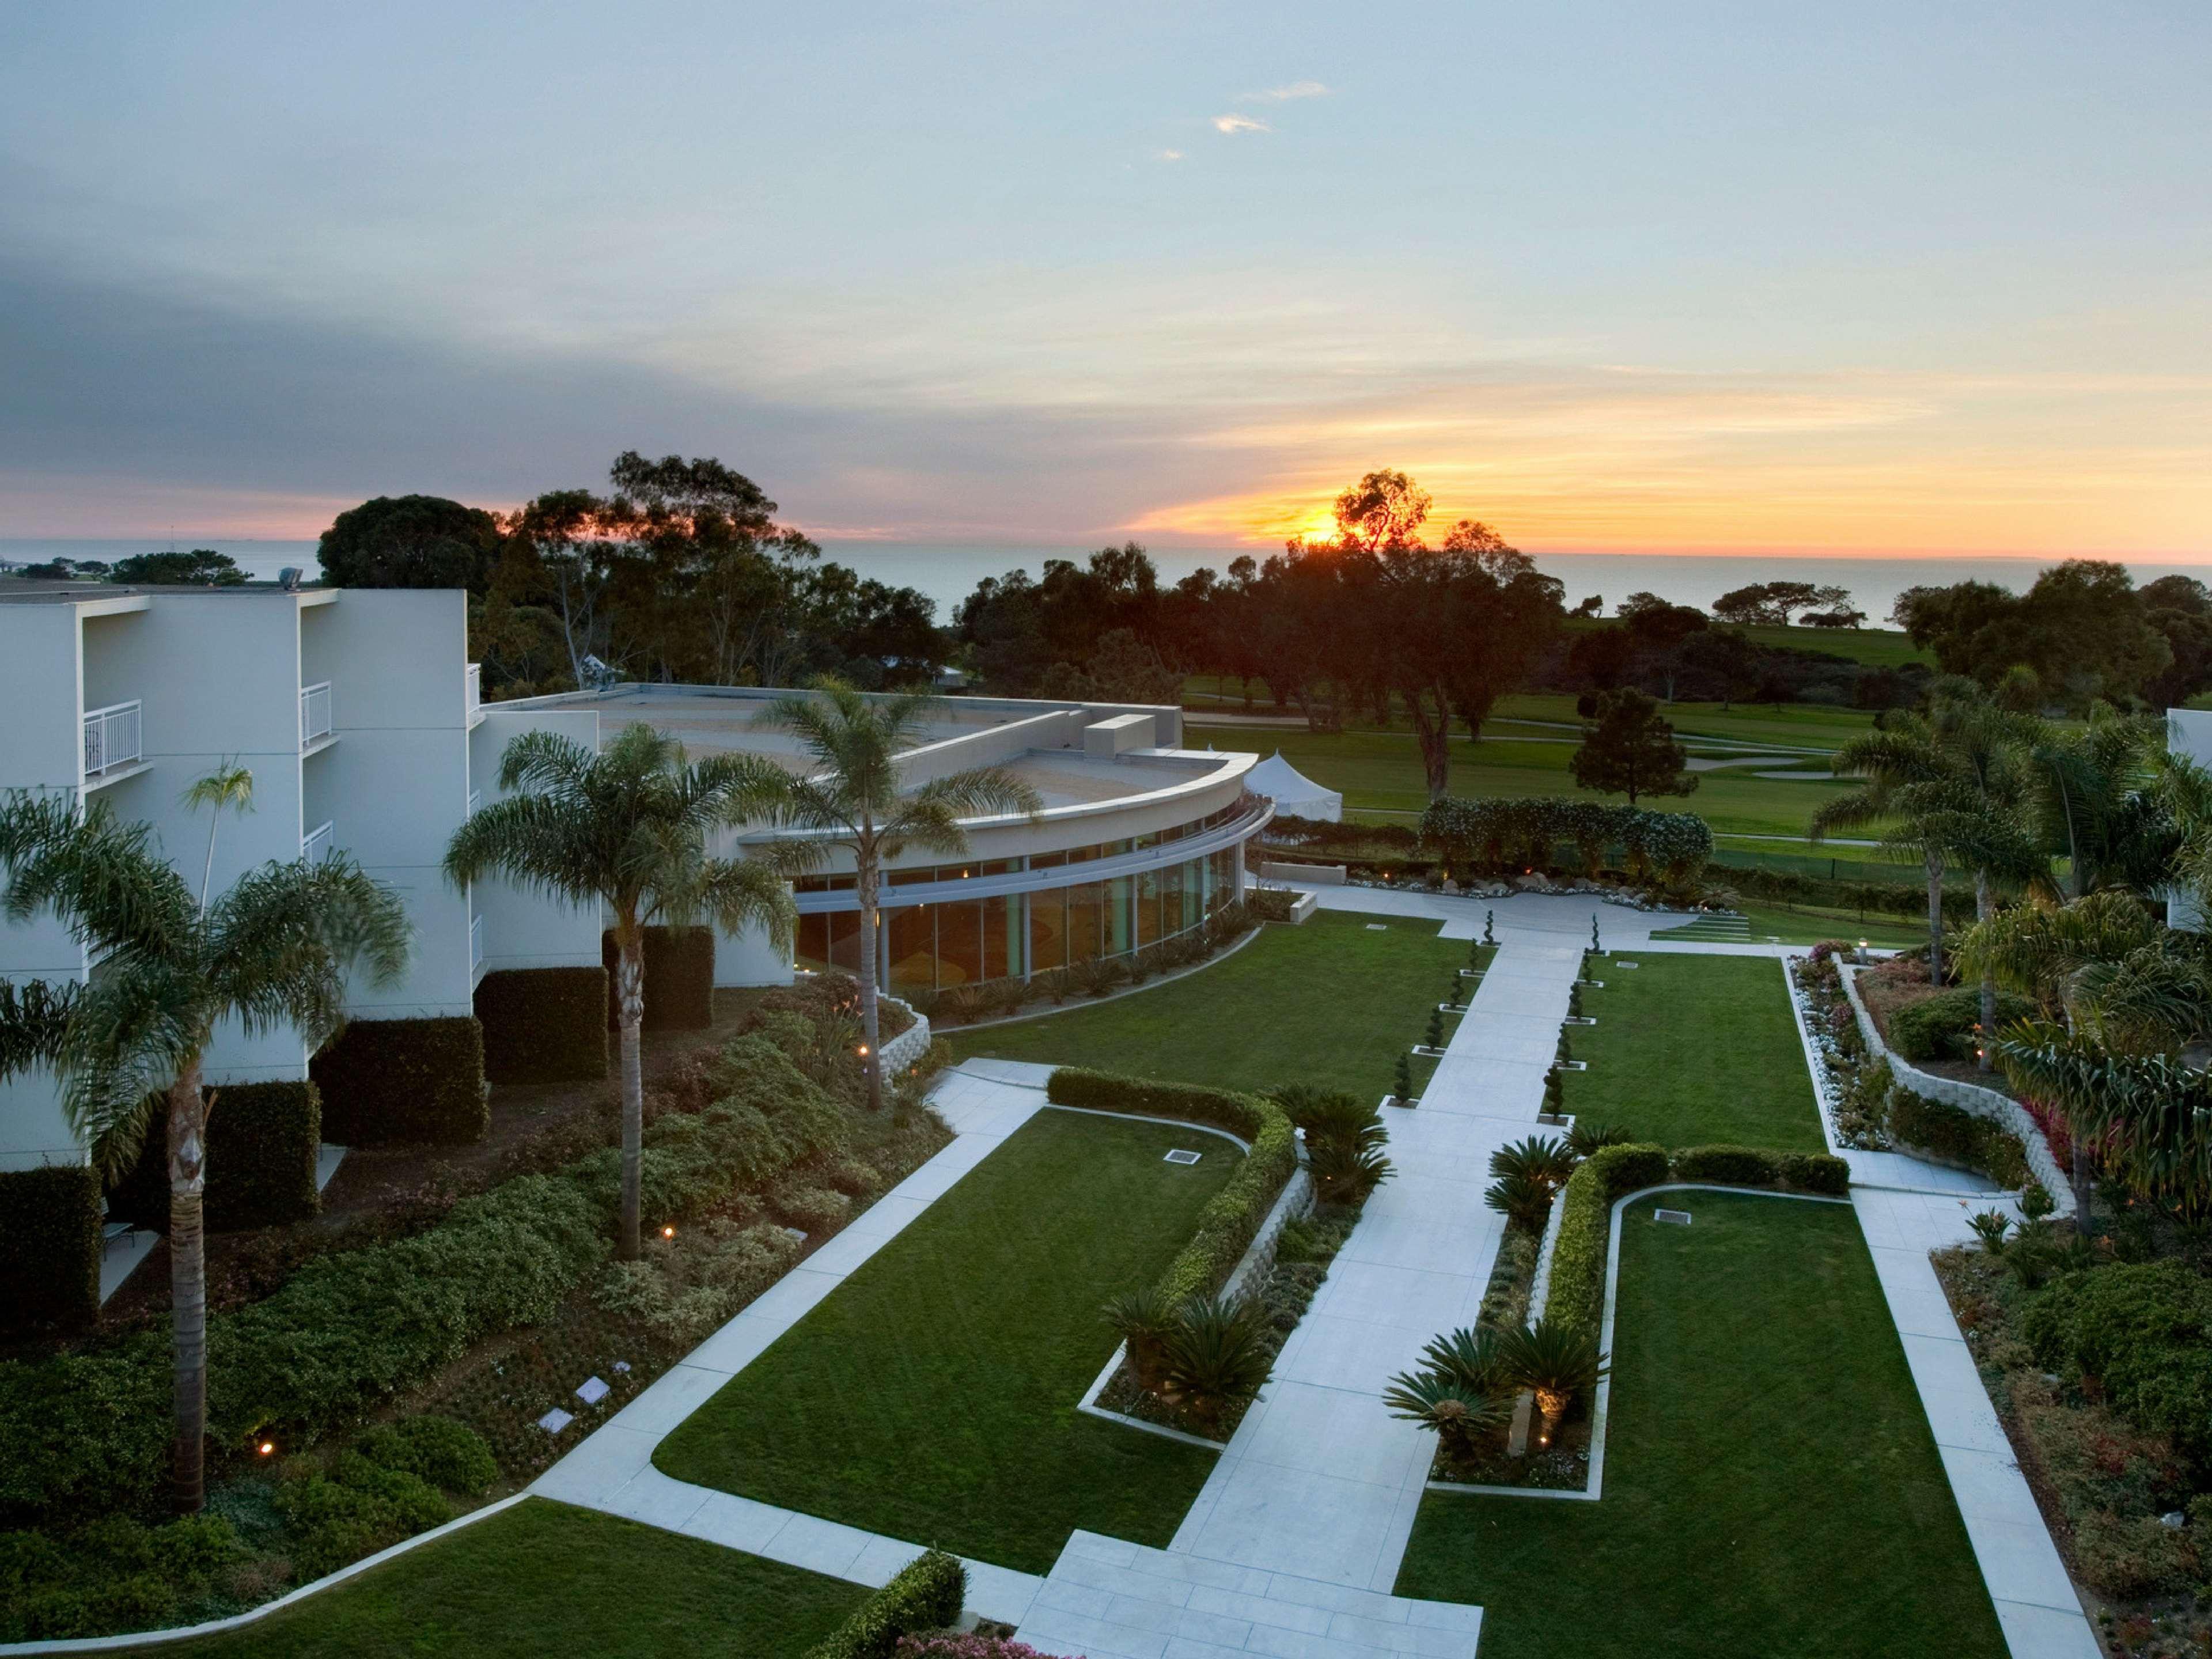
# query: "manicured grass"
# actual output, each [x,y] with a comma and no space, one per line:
[932,1395]
[1878,648]
[1331,1003]
[1770,1484]
[1691,1050]
[545,1579]
[1808,923]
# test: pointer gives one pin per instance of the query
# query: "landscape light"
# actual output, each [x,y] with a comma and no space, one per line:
[668,1232]
[267,1446]
[864,1051]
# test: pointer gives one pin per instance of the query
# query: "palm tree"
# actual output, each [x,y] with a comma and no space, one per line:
[626,830]
[270,953]
[855,800]
[2092,803]
[1557,1361]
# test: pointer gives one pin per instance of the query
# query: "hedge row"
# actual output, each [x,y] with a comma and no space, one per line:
[1499,833]
[1577,1291]
[1231,1220]
[927,1593]
[49,1261]
[409,1080]
[262,1142]
[679,979]
[1956,1136]
[543,1024]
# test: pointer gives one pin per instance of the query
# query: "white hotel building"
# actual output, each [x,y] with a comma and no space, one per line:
[357,712]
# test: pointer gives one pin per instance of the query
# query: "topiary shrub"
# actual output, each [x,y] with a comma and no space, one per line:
[1941,1027]
[1744,1166]
[50,1261]
[263,1139]
[679,979]
[1817,1172]
[404,1080]
[543,1024]
[927,1595]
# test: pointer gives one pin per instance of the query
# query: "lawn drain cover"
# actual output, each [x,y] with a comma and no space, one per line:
[1678,1218]
[1378,927]
[1624,964]
[1181,1157]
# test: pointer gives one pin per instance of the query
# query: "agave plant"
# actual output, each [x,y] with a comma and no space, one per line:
[1586,1138]
[1142,1319]
[1459,1416]
[1557,1361]
[1524,1201]
[1475,1359]
[1216,1351]
[1544,1158]
[1990,1226]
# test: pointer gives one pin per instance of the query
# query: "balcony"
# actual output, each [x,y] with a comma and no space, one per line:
[475,802]
[315,846]
[472,695]
[314,714]
[112,739]
[475,947]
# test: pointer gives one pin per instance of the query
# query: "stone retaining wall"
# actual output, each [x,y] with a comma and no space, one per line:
[2001,1110]
[909,1045]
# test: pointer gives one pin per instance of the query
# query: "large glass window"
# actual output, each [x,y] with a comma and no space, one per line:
[1002,937]
[959,943]
[1117,916]
[1048,930]
[1147,902]
[1086,921]
[910,942]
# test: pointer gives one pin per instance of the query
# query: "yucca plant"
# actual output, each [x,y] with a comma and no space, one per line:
[1557,1361]
[1525,1202]
[1991,1226]
[1216,1350]
[1142,1319]
[1539,1158]
[1590,1136]
[1471,1357]
[1459,1416]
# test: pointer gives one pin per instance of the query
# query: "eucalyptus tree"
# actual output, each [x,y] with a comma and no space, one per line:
[626,830]
[853,799]
[272,952]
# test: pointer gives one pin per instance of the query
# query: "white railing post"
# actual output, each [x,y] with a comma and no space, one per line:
[315,845]
[112,737]
[473,696]
[476,943]
[314,712]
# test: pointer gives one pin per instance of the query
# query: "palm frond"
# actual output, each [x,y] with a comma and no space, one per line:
[283,939]
[99,877]
[131,1033]
[34,1016]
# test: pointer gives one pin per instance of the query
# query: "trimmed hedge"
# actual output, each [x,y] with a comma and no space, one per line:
[542,1025]
[679,979]
[262,1142]
[1743,1166]
[1817,1172]
[926,1594]
[1957,1136]
[1230,1221]
[385,1080]
[50,1264]
[1941,1027]
[1578,1292]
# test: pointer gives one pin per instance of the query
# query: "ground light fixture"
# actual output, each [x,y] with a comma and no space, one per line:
[266,1448]
[668,1232]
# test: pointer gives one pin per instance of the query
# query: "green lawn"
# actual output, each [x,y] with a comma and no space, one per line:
[931,1397]
[545,1578]
[1770,1484]
[1878,648]
[1691,1050]
[1809,924]
[1331,1002]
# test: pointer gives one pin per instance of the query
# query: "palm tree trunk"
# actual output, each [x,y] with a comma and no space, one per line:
[1985,1051]
[1935,918]
[873,1063]
[629,990]
[188,1289]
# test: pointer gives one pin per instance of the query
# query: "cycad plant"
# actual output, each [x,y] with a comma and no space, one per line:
[1474,1357]
[1142,1319]
[273,952]
[1524,1201]
[1215,1352]
[1459,1417]
[1557,1361]
[1345,1138]
[1588,1136]
[625,830]
[1544,1158]
[853,799]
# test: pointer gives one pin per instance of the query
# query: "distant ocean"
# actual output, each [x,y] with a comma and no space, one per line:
[948,572]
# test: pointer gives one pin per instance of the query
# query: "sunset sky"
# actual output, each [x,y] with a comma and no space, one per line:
[1866,278]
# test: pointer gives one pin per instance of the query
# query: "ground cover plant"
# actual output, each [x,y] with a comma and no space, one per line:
[1693,1050]
[545,1577]
[931,1396]
[1753,1363]
[1329,1003]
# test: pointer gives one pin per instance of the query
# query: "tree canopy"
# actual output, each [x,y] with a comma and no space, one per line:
[411,541]
[1630,750]
[202,567]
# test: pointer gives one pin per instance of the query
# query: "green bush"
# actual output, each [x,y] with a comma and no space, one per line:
[927,1593]
[358,1509]
[1230,1220]
[404,1080]
[262,1142]
[82,1428]
[446,1454]
[1941,1027]
[1817,1172]
[1578,1292]
[2144,1331]
[543,1024]
[1743,1166]
[1958,1136]
[115,1574]
[679,979]
[810,1209]
[50,1261]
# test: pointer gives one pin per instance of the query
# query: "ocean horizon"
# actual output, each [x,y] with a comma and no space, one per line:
[948,571]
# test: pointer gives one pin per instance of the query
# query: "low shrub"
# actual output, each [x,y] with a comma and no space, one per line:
[972,1645]
[684,1288]
[543,1024]
[1230,1220]
[1817,1172]
[1270,903]
[1743,1166]
[262,1139]
[1941,1027]
[404,1080]
[1957,1136]
[679,979]
[1578,1286]
[112,1574]
[2144,1333]
[50,1266]
[810,1209]
[927,1595]
[447,1455]
[356,1510]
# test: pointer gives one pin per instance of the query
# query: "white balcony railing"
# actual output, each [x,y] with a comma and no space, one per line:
[476,943]
[475,802]
[314,712]
[112,738]
[315,845]
[472,695]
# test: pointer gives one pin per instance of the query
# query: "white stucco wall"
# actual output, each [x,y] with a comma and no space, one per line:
[522,930]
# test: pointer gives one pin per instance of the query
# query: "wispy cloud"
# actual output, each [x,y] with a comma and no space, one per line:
[1233,125]
[1284,94]
[1167,156]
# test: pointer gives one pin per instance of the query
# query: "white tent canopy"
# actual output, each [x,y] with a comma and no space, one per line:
[1291,791]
